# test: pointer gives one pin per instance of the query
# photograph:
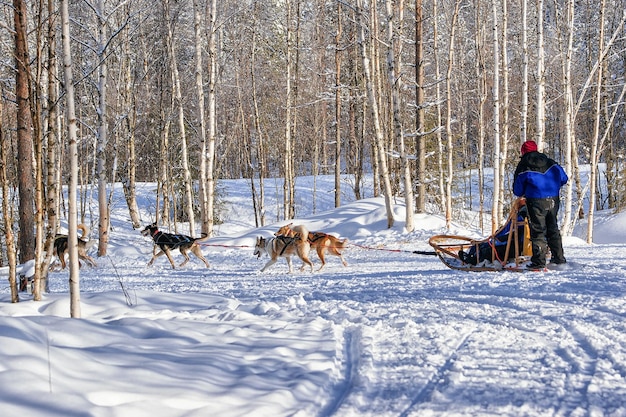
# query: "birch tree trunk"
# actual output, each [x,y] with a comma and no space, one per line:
[9,237]
[481,75]
[504,150]
[394,33]
[338,108]
[541,79]
[495,217]
[260,145]
[75,310]
[178,97]
[212,116]
[524,109]
[288,183]
[53,167]
[129,99]
[101,146]
[439,116]
[596,129]
[205,215]
[449,115]
[420,121]
[569,118]
[371,94]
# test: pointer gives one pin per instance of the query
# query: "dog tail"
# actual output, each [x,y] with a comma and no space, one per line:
[84,229]
[203,238]
[302,233]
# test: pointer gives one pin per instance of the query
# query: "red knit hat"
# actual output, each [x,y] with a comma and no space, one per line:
[529,146]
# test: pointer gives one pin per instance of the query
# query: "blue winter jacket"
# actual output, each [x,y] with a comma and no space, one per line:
[538,176]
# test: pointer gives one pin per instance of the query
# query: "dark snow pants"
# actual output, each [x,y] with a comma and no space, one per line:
[544,229]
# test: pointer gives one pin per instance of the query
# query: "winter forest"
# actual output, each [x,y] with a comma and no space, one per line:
[422,94]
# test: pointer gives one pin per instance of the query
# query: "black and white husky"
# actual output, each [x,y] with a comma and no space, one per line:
[168,241]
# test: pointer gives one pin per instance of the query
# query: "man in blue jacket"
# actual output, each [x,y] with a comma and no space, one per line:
[539,179]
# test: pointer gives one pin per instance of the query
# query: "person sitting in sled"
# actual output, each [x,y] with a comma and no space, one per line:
[539,179]
[498,242]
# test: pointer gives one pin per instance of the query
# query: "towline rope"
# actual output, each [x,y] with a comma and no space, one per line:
[417,252]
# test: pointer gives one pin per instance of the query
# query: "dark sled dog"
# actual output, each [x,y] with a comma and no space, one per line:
[168,241]
[284,247]
[61,247]
[320,241]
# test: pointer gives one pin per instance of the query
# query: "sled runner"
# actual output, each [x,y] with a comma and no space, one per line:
[508,248]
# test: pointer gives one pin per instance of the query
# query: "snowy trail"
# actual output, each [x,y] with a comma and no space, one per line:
[419,339]
[394,334]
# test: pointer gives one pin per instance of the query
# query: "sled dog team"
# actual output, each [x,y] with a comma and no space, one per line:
[287,242]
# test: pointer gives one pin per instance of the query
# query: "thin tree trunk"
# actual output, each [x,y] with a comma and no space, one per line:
[394,31]
[481,76]
[288,159]
[7,214]
[338,108]
[260,146]
[439,117]
[449,115]
[212,116]
[75,310]
[568,120]
[52,137]
[101,150]
[178,97]
[204,193]
[596,130]
[371,94]
[130,102]
[495,219]
[524,109]
[541,77]
[504,150]
[420,121]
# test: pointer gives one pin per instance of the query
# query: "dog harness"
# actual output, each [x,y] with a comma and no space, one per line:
[168,239]
[286,240]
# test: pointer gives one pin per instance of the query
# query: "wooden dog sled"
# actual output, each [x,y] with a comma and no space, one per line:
[509,248]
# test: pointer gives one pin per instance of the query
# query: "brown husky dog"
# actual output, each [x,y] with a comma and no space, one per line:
[284,247]
[319,241]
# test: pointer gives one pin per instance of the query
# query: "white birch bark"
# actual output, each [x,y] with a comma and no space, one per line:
[181,122]
[288,160]
[373,101]
[504,150]
[596,129]
[101,145]
[449,115]
[75,310]
[495,212]
[541,77]
[568,120]
[524,109]
[199,77]
[212,117]
[394,31]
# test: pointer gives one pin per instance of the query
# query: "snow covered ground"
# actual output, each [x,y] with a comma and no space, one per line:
[392,334]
